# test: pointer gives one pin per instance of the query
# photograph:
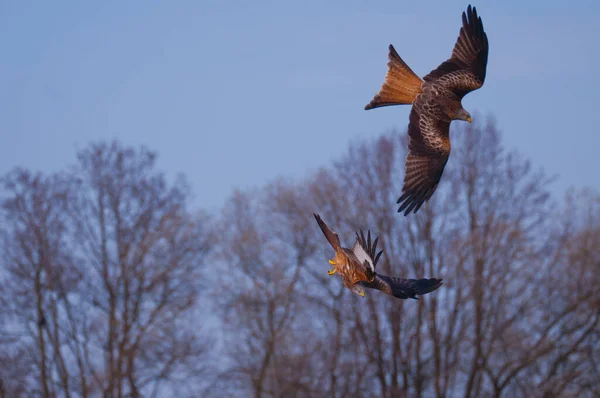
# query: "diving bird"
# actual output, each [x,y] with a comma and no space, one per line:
[353,265]
[356,266]
[436,101]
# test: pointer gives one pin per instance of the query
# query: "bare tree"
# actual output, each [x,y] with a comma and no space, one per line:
[36,262]
[263,274]
[487,232]
[144,257]
[104,285]
[569,308]
[103,272]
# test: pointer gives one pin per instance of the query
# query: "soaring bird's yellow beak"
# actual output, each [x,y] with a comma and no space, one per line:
[361,294]
[469,119]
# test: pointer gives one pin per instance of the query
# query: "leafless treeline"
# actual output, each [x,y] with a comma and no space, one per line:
[100,276]
[107,278]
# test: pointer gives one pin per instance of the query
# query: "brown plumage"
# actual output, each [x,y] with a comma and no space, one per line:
[436,102]
[357,268]
[352,265]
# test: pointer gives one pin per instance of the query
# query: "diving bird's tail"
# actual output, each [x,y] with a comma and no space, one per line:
[401,84]
[332,237]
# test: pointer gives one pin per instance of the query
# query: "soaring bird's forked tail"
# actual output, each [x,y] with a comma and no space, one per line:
[401,84]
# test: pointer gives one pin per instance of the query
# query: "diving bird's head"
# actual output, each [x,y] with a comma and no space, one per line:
[462,114]
[358,289]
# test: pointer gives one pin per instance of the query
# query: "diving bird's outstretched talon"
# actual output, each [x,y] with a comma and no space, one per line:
[356,267]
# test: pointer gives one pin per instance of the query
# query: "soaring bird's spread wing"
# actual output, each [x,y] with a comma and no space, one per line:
[429,144]
[403,288]
[332,237]
[465,70]
[428,151]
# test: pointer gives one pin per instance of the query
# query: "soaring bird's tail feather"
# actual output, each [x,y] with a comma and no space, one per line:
[401,84]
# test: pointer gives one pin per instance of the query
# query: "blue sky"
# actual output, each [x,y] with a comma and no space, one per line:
[235,93]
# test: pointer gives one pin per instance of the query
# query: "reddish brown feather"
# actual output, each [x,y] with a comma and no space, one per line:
[401,84]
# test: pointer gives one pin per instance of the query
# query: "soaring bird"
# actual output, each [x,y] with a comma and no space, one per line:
[436,101]
[356,266]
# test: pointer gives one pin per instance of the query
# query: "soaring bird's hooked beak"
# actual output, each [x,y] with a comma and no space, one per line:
[469,119]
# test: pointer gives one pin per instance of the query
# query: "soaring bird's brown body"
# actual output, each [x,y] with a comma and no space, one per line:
[357,268]
[436,101]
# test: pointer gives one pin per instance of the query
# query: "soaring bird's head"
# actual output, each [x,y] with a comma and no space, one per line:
[462,114]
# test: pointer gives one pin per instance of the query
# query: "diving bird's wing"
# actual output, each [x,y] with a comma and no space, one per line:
[428,152]
[403,288]
[465,70]
[363,256]
[332,237]
[369,247]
